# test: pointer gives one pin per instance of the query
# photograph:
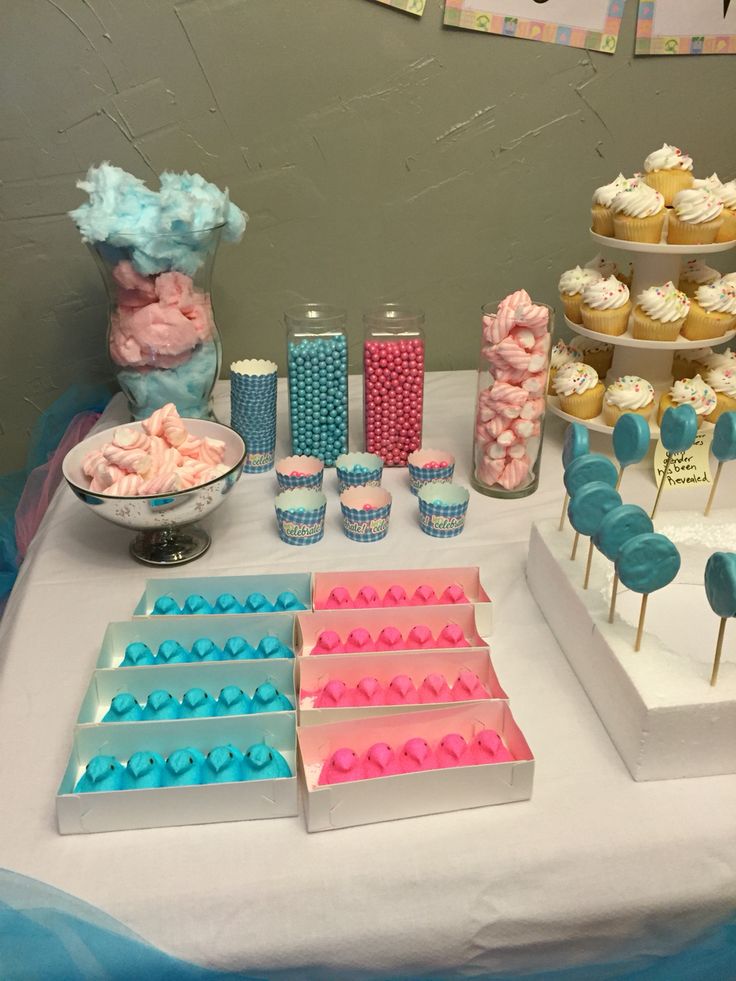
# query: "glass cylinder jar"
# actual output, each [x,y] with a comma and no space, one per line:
[511,399]
[162,339]
[317,357]
[393,382]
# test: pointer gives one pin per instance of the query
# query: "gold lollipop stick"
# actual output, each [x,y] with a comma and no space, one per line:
[614,591]
[719,649]
[667,460]
[642,614]
[588,564]
[620,477]
[712,495]
[575,541]
[564,512]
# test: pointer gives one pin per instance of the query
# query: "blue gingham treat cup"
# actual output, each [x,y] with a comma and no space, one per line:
[442,509]
[253,384]
[300,515]
[358,470]
[427,466]
[293,472]
[365,513]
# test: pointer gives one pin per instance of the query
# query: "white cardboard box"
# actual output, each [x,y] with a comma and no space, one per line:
[439,579]
[299,583]
[315,672]
[253,627]
[177,679]
[123,810]
[310,625]
[657,705]
[345,805]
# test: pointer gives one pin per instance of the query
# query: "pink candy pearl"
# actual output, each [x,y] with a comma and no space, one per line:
[394,383]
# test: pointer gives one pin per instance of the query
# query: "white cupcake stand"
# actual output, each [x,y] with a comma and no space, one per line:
[653,265]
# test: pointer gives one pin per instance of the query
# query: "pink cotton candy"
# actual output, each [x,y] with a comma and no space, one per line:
[175,289]
[154,335]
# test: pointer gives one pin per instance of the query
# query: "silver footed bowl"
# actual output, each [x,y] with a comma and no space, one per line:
[167,534]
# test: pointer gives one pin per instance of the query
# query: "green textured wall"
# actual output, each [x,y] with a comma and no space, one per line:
[379,156]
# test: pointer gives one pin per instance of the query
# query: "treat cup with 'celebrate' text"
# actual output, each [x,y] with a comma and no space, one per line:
[442,509]
[365,513]
[300,515]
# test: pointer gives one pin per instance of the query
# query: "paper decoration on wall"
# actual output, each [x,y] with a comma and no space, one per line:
[410,6]
[592,24]
[686,27]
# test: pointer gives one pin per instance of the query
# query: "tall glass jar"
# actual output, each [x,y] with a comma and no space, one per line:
[162,339]
[511,399]
[393,382]
[317,356]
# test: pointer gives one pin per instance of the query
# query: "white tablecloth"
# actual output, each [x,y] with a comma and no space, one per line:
[595,867]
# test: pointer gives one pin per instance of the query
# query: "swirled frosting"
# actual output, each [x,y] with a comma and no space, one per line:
[575,378]
[729,279]
[586,345]
[696,205]
[561,354]
[630,392]
[696,271]
[638,201]
[668,158]
[723,380]
[694,392]
[698,355]
[606,267]
[606,294]
[719,359]
[574,280]
[726,194]
[718,297]
[605,194]
[664,303]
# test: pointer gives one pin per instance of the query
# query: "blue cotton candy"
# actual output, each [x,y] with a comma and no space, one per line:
[161,230]
[187,386]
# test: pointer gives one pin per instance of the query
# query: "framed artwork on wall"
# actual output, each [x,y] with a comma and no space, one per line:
[686,27]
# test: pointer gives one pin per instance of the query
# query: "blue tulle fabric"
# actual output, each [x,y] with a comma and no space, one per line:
[158,230]
[48,935]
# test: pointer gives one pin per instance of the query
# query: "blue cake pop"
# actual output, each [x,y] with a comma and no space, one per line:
[678,428]
[618,526]
[267,698]
[288,601]
[647,562]
[196,605]
[720,583]
[137,654]
[123,708]
[224,764]
[238,649]
[590,504]
[101,773]
[161,705]
[197,704]
[631,438]
[576,443]
[144,769]
[165,606]
[233,701]
[227,603]
[262,762]
[272,647]
[583,470]
[724,438]
[257,603]
[184,767]
[205,649]
[171,652]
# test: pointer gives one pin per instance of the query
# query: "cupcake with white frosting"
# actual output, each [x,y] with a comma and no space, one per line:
[695,273]
[600,209]
[579,390]
[598,354]
[629,393]
[712,312]
[723,382]
[571,285]
[729,279]
[726,194]
[719,359]
[659,313]
[606,306]
[560,355]
[688,362]
[695,219]
[607,267]
[638,214]
[668,171]
[689,391]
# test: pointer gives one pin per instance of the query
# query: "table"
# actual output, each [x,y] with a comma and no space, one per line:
[595,868]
